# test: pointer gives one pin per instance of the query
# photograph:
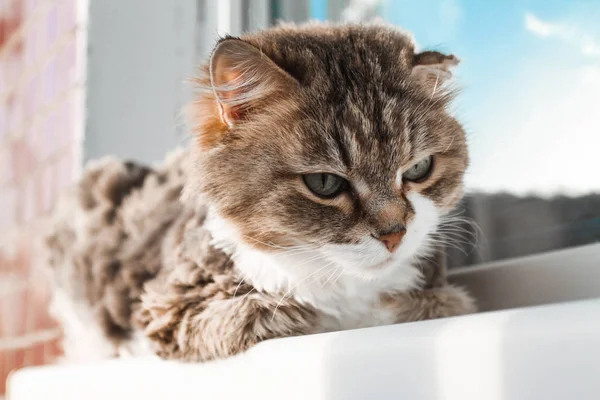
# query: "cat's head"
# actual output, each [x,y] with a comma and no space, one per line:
[335,139]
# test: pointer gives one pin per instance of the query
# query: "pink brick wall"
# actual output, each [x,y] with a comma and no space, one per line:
[41,89]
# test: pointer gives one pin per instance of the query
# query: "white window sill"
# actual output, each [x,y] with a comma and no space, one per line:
[547,352]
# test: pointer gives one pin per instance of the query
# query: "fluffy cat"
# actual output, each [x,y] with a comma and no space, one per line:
[324,160]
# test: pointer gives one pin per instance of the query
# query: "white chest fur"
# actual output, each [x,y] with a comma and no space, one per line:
[351,300]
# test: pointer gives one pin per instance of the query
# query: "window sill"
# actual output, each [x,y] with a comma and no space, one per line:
[549,351]
[553,277]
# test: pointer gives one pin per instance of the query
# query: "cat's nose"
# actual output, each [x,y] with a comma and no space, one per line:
[392,240]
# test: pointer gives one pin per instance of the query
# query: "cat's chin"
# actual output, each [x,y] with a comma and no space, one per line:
[388,274]
[392,263]
[381,265]
[382,269]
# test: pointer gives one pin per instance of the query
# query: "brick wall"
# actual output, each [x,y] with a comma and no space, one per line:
[41,93]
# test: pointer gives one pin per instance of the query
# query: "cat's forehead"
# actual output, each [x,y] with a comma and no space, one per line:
[368,133]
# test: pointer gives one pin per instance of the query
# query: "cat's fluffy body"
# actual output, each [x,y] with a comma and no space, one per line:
[250,253]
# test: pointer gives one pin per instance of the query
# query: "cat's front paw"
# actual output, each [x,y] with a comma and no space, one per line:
[439,302]
[448,301]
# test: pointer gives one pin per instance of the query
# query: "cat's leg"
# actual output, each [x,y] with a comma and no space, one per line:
[438,302]
[227,327]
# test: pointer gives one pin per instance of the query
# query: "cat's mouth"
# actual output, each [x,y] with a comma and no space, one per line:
[369,256]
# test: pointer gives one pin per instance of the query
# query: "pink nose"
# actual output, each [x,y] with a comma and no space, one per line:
[392,240]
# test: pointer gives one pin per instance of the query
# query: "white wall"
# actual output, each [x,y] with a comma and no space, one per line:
[140,53]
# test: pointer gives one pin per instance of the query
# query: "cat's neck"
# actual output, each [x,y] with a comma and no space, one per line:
[305,276]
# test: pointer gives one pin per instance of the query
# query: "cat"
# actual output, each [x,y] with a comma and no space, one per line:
[324,159]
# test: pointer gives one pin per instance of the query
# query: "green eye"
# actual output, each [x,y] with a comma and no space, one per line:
[419,171]
[325,185]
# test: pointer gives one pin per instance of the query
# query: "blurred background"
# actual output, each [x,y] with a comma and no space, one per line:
[80,79]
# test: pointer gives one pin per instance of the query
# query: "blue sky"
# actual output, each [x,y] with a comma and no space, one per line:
[531,86]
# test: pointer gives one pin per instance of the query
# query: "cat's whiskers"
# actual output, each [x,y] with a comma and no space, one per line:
[238,286]
[292,250]
[443,244]
[458,233]
[289,292]
[453,222]
[431,103]
[338,276]
[422,111]
[336,269]
[454,242]
[308,260]
[455,238]
[458,217]
[304,252]
[449,145]
[419,258]
[275,246]
[443,241]
[431,97]
[435,86]
[251,290]
[419,262]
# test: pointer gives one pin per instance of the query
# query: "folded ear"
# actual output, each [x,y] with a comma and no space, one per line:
[433,68]
[243,78]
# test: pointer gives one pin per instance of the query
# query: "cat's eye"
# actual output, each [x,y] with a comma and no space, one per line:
[325,185]
[419,171]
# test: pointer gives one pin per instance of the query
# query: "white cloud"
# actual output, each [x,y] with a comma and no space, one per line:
[544,139]
[541,28]
[564,32]
[360,10]
[589,46]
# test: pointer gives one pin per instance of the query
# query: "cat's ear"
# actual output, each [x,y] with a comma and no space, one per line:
[433,68]
[243,78]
